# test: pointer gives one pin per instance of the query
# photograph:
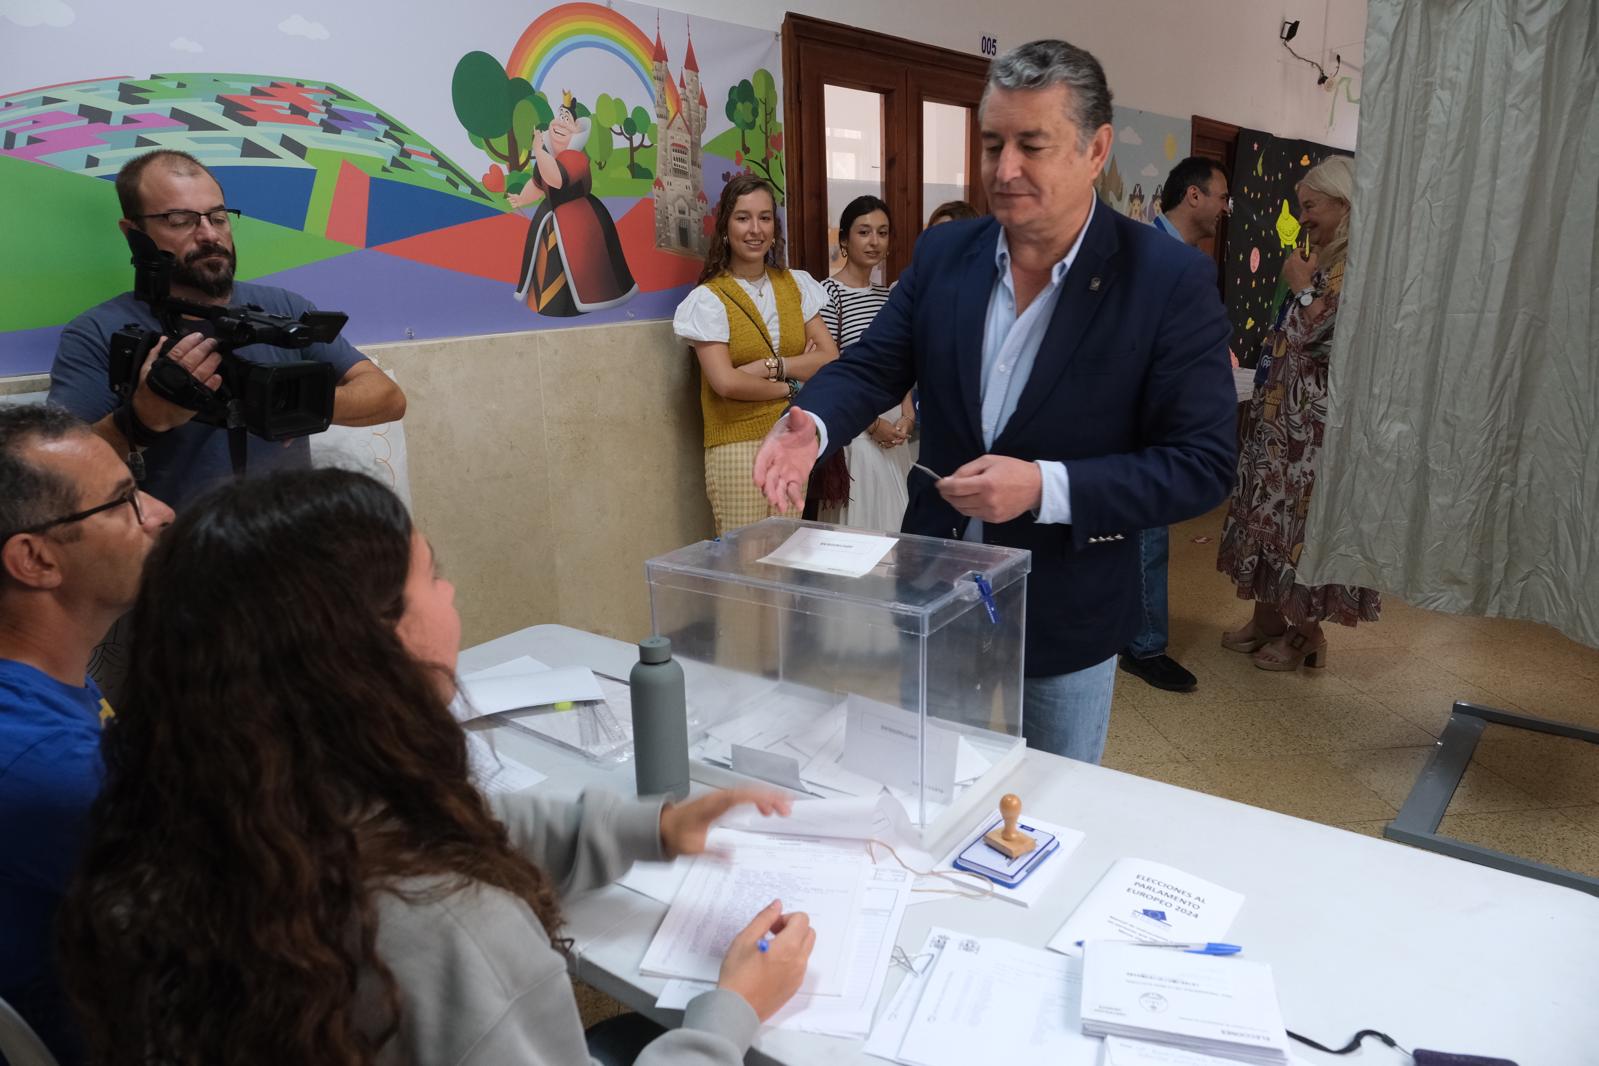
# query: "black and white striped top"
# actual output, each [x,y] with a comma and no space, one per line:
[849,311]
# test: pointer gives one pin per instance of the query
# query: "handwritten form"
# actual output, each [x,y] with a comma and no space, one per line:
[740,874]
[869,943]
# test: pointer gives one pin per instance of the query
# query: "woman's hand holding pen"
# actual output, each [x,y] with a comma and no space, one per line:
[766,962]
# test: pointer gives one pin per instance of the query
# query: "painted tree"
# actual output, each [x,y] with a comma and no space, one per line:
[744,112]
[600,144]
[633,127]
[500,114]
[770,166]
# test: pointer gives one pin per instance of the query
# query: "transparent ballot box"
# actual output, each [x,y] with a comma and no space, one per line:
[841,663]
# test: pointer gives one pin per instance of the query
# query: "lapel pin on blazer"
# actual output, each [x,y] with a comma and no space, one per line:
[1093,284]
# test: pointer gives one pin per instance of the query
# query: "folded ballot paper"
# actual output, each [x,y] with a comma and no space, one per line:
[1218,1005]
[570,706]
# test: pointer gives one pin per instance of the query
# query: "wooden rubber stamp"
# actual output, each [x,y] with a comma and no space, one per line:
[1007,839]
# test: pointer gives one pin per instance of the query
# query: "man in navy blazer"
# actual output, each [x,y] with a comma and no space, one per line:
[1074,379]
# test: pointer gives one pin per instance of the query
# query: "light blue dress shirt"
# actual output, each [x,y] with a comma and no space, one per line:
[1010,348]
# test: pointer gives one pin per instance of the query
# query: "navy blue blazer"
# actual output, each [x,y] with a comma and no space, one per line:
[1132,389]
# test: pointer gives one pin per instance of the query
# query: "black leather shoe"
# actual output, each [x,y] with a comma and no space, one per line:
[1162,671]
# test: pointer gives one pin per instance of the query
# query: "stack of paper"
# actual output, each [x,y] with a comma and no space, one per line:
[1223,1006]
[1146,901]
[973,1000]
[570,706]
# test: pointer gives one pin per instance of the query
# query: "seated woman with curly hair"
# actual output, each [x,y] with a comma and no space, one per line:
[290,862]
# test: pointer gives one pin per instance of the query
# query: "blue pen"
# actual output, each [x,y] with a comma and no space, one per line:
[762,944]
[1209,947]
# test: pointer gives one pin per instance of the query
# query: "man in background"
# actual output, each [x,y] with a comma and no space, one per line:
[1193,203]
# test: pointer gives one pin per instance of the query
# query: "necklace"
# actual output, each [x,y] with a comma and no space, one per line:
[756,283]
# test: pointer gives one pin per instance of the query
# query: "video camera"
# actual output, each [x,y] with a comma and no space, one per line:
[274,401]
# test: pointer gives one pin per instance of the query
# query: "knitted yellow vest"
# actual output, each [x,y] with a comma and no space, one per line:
[729,421]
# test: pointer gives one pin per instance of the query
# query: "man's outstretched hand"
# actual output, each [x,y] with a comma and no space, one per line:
[783,465]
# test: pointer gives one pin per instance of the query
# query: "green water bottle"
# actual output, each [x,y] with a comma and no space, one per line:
[660,721]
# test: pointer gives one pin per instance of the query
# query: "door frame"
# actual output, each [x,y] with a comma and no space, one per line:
[817,53]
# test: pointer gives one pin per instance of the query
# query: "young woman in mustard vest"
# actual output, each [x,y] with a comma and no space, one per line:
[756,328]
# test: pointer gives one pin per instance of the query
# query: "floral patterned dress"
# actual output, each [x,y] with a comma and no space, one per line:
[1264,534]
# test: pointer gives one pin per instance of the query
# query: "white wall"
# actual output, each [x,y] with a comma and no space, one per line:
[1217,58]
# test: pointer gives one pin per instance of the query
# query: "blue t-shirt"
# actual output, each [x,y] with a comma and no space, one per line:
[50,773]
[193,457]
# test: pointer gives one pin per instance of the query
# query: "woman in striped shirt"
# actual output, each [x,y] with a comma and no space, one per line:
[880,458]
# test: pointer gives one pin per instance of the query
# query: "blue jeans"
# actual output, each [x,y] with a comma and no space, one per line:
[1069,714]
[1154,551]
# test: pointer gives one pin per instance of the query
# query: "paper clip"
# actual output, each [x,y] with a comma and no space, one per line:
[915,964]
[986,591]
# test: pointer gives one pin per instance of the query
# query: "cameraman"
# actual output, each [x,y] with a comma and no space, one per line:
[174,199]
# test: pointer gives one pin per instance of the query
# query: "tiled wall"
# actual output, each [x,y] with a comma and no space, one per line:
[546,467]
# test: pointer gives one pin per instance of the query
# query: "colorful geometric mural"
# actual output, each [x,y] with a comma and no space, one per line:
[594,207]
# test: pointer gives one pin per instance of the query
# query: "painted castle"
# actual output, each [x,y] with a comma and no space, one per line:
[679,189]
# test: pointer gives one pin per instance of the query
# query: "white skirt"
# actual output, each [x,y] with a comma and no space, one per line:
[877,495]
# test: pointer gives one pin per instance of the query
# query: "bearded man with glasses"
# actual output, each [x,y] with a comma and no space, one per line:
[74,533]
[173,198]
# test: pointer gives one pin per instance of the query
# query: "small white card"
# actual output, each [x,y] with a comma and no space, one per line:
[831,551]
[881,742]
[768,766]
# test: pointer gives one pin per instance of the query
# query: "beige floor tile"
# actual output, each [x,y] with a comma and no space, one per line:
[1557,770]
[1430,708]
[1182,773]
[1370,829]
[1226,728]
[1560,698]
[1304,786]
[1132,739]
[1343,745]
[1351,722]
[1543,836]
[1587,817]
[1392,773]
[1378,670]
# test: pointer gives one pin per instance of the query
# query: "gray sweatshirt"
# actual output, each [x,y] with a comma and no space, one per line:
[480,983]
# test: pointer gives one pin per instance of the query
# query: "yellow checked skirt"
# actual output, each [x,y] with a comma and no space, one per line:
[730,486]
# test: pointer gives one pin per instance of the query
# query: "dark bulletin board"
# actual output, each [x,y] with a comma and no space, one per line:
[1262,229]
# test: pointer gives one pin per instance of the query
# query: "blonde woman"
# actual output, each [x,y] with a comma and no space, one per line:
[1264,533]
[757,331]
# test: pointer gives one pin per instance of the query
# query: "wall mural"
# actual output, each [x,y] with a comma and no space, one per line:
[512,175]
[1263,228]
[1147,146]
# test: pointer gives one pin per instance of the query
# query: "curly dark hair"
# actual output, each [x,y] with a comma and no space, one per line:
[278,759]
[720,254]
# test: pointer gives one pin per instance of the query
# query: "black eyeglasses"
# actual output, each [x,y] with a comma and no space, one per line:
[221,218]
[130,497]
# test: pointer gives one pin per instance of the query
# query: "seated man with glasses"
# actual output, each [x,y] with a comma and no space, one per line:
[74,533]
[172,197]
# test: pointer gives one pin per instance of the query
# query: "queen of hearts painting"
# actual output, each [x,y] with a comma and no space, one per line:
[572,263]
